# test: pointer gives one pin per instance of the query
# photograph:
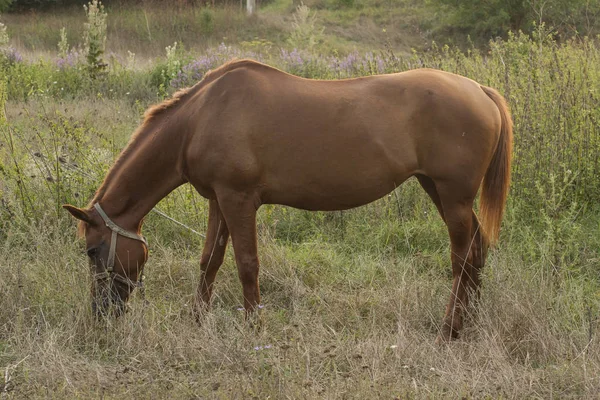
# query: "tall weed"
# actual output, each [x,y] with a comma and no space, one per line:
[95,36]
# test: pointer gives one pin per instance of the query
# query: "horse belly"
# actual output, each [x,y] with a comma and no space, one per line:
[331,186]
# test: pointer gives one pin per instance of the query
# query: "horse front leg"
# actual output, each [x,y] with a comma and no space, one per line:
[239,211]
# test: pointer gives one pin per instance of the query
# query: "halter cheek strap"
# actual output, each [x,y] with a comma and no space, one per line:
[108,273]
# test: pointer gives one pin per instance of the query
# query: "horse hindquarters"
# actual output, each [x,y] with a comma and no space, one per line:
[470,239]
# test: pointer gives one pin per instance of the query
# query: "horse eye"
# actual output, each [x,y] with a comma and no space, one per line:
[92,251]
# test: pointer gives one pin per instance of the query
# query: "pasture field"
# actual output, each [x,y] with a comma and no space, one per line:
[352,299]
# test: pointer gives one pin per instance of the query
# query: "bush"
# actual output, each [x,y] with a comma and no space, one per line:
[482,20]
[207,21]
[95,36]
[305,34]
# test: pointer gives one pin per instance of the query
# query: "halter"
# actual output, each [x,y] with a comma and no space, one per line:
[109,273]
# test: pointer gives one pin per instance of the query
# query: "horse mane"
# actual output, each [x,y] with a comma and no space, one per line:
[157,110]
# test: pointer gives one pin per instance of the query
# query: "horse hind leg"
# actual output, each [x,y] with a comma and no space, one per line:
[466,256]
[213,254]
[479,248]
[429,186]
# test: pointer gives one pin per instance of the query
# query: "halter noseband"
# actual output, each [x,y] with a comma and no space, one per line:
[109,273]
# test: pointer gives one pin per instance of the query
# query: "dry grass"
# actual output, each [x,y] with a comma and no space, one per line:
[365,330]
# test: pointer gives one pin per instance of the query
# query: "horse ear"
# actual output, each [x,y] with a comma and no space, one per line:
[79,213]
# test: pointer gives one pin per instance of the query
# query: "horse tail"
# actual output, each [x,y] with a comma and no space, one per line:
[496,182]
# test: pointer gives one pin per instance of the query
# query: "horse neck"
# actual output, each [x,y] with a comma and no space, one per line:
[148,170]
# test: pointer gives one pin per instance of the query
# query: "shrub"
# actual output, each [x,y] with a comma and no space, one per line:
[95,36]
[305,35]
[207,20]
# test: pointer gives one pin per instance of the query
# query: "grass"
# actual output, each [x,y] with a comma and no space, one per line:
[353,299]
[336,325]
[147,31]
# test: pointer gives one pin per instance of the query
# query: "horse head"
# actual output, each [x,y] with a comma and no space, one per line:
[116,265]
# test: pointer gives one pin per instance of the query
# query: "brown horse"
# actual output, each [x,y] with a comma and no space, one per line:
[249,134]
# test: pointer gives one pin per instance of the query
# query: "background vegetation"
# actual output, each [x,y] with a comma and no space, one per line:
[353,299]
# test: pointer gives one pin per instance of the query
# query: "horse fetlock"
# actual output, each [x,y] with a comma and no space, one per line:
[204,294]
[451,326]
[200,309]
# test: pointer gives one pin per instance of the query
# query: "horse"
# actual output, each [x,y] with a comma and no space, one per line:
[249,134]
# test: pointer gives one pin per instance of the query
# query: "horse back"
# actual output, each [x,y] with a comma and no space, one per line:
[337,144]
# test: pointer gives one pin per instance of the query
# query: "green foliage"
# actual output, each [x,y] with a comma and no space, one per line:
[207,20]
[489,18]
[347,3]
[3,35]
[21,5]
[44,167]
[560,244]
[260,47]
[305,34]
[63,44]
[336,4]
[164,72]
[5,5]
[95,36]
[496,17]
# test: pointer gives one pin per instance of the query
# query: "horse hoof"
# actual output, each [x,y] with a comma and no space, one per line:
[199,312]
[446,335]
[442,340]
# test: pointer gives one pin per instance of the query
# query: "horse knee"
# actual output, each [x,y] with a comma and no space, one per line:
[248,269]
[211,261]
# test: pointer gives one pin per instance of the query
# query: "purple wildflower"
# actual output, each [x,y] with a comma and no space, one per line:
[70,60]
[349,65]
[194,71]
[292,59]
[380,65]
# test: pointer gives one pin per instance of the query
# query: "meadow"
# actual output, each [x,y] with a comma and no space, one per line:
[353,299]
